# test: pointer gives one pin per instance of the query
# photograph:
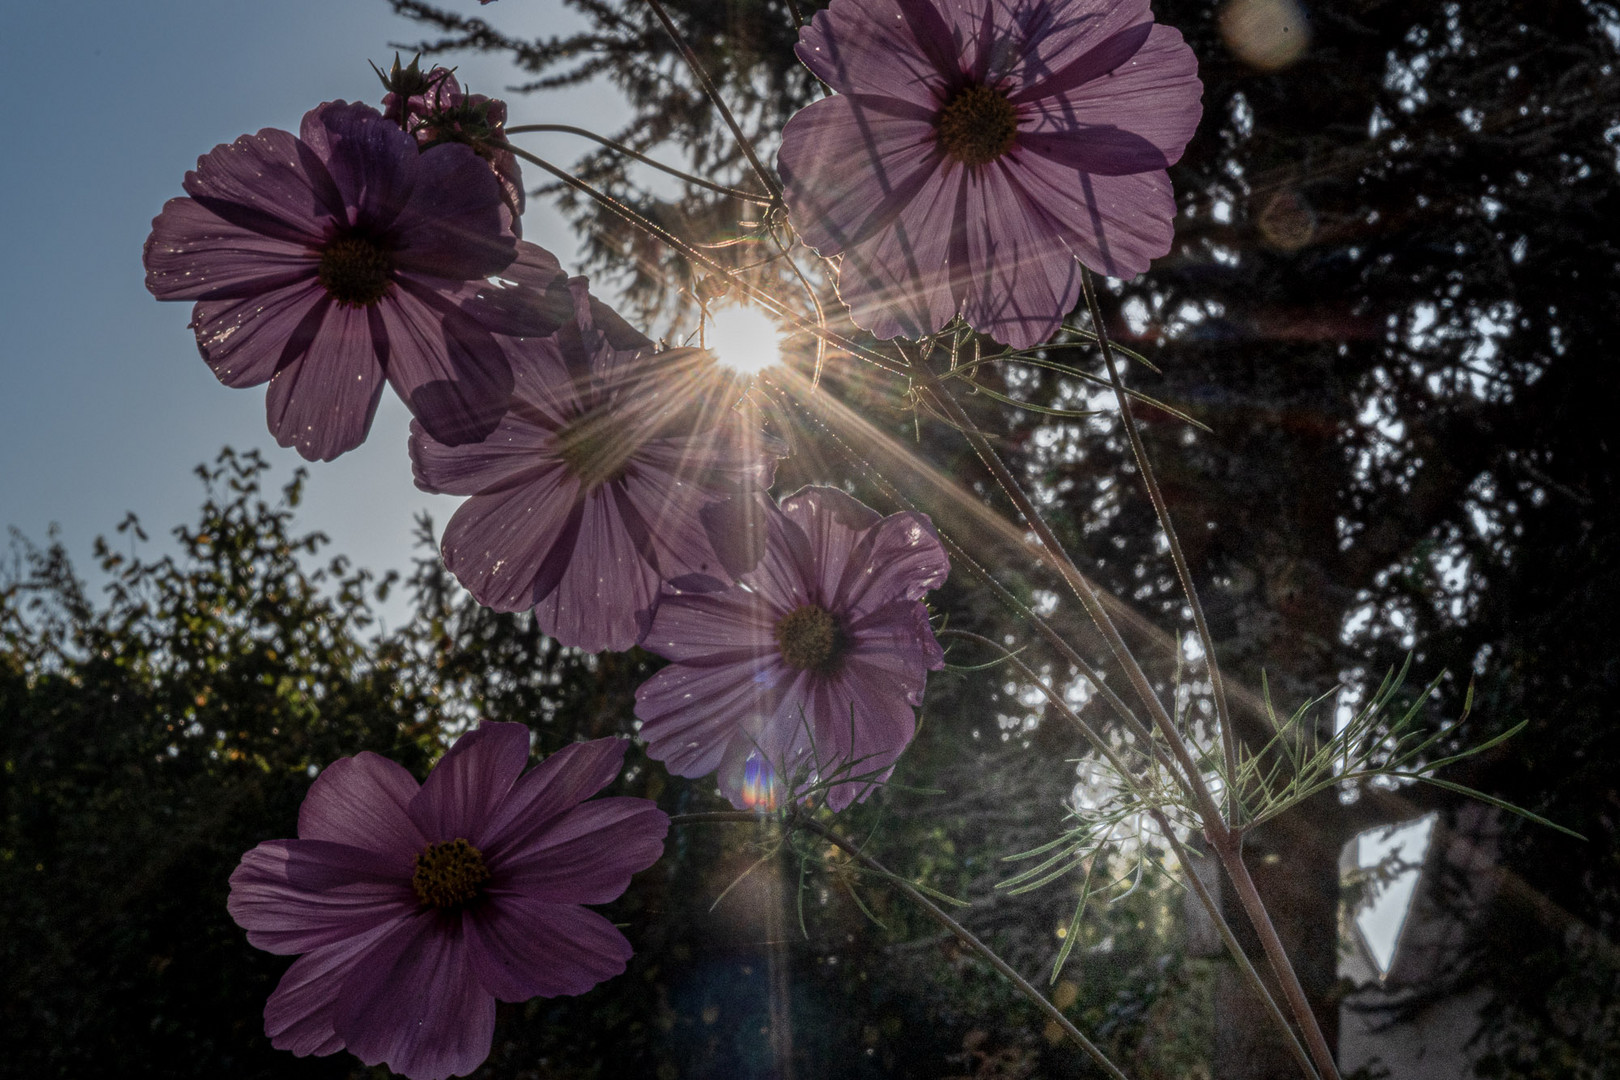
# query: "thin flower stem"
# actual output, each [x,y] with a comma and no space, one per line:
[1060,561]
[1230,940]
[794,819]
[1234,948]
[619,147]
[1074,718]
[699,258]
[713,94]
[1228,842]
[1162,511]
[1229,847]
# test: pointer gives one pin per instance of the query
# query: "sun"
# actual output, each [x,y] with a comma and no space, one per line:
[743,338]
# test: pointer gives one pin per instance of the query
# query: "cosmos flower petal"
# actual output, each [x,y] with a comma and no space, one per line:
[834,523]
[869,748]
[292,896]
[834,207]
[467,786]
[1117,225]
[901,555]
[451,371]
[690,714]
[373,163]
[1053,47]
[509,549]
[362,801]
[906,281]
[270,184]
[524,946]
[608,588]
[415,1004]
[245,342]
[1023,278]
[299,1014]
[451,224]
[1155,96]
[714,627]
[322,402]
[587,855]
[563,780]
[897,641]
[193,254]
[897,48]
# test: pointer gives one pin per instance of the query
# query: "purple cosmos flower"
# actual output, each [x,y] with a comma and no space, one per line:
[812,665]
[976,148]
[416,907]
[325,262]
[615,471]
[440,112]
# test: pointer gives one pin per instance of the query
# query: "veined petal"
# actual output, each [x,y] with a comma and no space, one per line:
[415,1004]
[270,184]
[896,48]
[361,801]
[373,163]
[605,595]
[520,947]
[834,206]
[587,855]
[292,896]
[450,372]
[194,254]
[322,402]
[509,548]
[460,796]
[245,342]
[450,227]
[298,1016]
[1022,277]
[559,783]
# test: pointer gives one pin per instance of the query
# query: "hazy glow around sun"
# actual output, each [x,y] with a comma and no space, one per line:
[743,339]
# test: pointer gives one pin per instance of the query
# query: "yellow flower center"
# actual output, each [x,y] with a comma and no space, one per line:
[977,126]
[355,271]
[810,639]
[449,874]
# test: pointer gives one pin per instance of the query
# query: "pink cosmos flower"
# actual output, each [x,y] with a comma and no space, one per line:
[811,667]
[416,907]
[616,470]
[325,262]
[441,113]
[977,148]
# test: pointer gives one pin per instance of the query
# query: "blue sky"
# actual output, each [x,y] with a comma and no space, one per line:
[106,405]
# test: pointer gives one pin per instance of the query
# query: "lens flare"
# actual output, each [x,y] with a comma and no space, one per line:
[759,784]
[744,339]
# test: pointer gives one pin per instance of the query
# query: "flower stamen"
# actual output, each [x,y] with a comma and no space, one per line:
[449,874]
[811,639]
[977,126]
[355,271]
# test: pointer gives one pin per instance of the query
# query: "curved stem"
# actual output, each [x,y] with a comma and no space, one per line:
[619,147]
[793,819]
[1229,939]
[1162,511]
[1060,561]
[713,94]
[1225,840]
